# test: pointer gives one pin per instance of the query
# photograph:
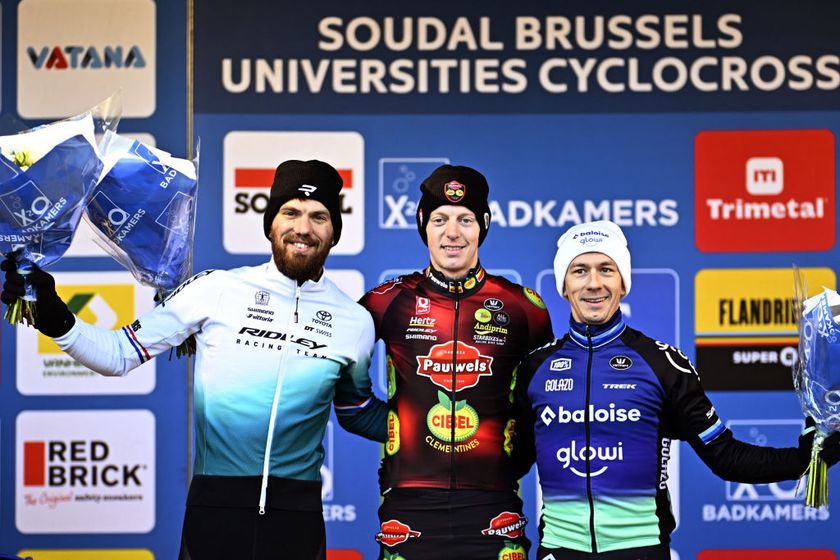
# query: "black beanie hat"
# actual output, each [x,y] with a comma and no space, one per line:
[308,180]
[458,185]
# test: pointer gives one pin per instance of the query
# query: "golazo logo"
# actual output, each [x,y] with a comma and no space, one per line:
[75,463]
[77,56]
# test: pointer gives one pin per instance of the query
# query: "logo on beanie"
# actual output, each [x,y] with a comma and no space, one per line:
[454,191]
[307,189]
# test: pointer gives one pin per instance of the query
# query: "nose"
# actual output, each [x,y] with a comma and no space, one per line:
[451,229]
[593,280]
[303,225]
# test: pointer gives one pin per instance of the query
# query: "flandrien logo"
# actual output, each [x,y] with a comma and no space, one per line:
[85,471]
[764,190]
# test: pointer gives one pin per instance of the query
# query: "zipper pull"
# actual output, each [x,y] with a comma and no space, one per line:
[297,301]
[262,510]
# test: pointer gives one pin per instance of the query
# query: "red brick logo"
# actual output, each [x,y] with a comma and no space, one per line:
[764,190]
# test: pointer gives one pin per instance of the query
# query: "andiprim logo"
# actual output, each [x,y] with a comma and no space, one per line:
[250,159]
[85,471]
[105,299]
[764,190]
[70,57]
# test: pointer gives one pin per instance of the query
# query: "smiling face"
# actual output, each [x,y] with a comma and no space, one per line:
[452,234]
[301,237]
[593,287]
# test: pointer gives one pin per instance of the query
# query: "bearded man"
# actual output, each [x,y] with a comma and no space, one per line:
[264,378]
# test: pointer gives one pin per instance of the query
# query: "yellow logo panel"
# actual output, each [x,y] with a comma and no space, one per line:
[98,554]
[108,306]
[751,302]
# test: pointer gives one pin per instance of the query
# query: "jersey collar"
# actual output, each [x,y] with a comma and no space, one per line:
[600,334]
[467,285]
[289,283]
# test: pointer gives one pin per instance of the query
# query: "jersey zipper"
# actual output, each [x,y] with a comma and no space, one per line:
[272,420]
[587,428]
[453,479]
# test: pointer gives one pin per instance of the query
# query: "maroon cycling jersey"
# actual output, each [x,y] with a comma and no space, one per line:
[452,348]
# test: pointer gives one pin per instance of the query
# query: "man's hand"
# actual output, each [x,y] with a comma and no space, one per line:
[830,448]
[51,314]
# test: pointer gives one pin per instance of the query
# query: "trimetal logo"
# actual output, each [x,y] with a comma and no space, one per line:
[764,190]
[92,57]
[250,160]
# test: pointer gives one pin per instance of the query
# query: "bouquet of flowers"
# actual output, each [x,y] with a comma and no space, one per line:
[143,212]
[816,377]
[46,176]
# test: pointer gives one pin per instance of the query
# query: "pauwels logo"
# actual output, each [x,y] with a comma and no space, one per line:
[394,532]
[764,190]
[81,472]
[97,50]
[250,159]
[468,363]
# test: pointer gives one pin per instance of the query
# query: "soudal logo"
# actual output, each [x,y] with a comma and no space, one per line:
[446,364]
[592,414]
[393,532]
[764,190]
[560,364]
[506,524]
[281,336]
[76,464]
[251,201]
[620,362]
[72,57]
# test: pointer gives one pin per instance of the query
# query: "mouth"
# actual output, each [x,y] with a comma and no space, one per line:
[595,301]
[452,250]
[302,247]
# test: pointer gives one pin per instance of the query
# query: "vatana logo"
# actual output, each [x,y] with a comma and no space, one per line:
[507,524]
[620,362]
[440,419]
[454,191]
[393,444]
[394,532]
[76,56]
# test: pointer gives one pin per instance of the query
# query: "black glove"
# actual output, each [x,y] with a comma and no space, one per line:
[830,449]
[52,317]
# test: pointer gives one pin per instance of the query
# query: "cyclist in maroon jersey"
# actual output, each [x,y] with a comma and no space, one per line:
[453,336]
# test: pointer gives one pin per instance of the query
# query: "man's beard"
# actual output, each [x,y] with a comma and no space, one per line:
[297,266]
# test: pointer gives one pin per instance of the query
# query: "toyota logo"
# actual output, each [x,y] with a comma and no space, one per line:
[323,315]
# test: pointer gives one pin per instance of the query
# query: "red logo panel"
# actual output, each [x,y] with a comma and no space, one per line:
[758,554]
[764,190]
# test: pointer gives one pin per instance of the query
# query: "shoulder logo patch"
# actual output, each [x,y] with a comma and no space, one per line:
[620,362]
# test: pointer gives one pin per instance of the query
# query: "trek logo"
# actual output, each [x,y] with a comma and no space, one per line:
[76,56]
[620,362]
[619,386]
[765,175]
[307,189]
[560,364]
[274,335]
[75,464]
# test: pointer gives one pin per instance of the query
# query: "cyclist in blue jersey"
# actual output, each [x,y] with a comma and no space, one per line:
[605,402]
[276,344]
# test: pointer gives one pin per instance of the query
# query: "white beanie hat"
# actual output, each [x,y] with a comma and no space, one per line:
[601,236]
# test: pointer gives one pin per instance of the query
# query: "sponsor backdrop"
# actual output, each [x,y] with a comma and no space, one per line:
[92,467]
[708,132]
